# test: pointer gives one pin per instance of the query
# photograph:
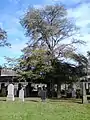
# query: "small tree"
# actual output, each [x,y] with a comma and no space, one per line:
[35,65]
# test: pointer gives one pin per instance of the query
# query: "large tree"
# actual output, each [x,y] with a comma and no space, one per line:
[50,28]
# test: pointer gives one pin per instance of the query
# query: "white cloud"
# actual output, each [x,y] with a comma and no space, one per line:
[81,11]
[18,47]
[82,17]
[65,2]
[38,6]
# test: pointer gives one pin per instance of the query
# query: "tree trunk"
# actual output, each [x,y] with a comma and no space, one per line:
[59,90]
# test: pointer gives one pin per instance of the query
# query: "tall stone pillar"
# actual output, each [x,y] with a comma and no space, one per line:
[84,96]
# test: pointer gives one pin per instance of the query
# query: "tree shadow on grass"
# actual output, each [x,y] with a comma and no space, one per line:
[70,100]
[2,99]
[32,99]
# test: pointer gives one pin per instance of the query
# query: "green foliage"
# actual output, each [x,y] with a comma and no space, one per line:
[63,72]
[82,64]
[11,62]
[45,51]
[35,65]
[3,38]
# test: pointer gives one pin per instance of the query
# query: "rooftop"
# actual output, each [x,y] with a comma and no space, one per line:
[7,72]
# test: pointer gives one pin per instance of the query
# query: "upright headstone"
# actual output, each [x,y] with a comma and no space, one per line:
[25,92]
[73,93]
[43,93]
[4,91]
[89,87]
[10,95]
[86,85]
[21,95]
[84,96]
[15,92]
[19,88]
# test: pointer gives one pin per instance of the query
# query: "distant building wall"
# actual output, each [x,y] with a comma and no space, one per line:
[8,72]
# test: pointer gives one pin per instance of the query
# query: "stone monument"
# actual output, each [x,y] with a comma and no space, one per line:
[84,96]
[21,95]
[10,95]
[73,93]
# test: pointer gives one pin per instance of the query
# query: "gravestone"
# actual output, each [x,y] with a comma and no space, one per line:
[10,95]
[3,91]
[84,96]
[19,88]
[42,94]
[89,87]
[25,92]
[15,89]
[21,95]
[29,89]
[86,85]
[73,93]
[15,92]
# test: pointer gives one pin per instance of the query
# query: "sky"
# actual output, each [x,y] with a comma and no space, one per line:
[12,10]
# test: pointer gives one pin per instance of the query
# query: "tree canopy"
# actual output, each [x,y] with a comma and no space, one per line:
[48,27]
[52,38]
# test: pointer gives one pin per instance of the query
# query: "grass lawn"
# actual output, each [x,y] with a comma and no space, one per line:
[51,110]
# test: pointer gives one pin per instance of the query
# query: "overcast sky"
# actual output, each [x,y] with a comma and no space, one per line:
[12,10]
